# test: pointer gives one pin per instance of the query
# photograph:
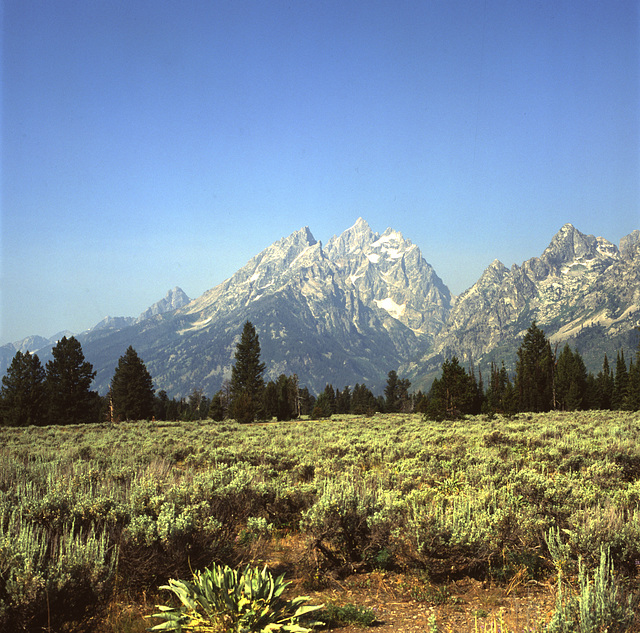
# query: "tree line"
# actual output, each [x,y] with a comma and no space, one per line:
[543,381]
[59,393]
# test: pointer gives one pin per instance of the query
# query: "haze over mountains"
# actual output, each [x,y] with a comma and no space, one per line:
[366,303]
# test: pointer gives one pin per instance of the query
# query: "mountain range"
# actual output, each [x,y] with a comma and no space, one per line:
[367,303]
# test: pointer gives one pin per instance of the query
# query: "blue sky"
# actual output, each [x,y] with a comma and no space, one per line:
[151,144]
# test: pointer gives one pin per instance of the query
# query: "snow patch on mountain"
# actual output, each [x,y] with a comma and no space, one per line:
[388,304]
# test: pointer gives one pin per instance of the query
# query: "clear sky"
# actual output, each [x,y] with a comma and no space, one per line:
[150,144]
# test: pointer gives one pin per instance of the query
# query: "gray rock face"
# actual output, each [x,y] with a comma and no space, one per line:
[580,284]
[343,314]
[174,299]
[367,303]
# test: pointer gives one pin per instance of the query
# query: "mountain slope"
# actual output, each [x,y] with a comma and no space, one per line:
[367,303]
[347,313]
[582,289]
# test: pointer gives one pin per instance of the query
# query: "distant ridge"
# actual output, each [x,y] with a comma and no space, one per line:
[366,303]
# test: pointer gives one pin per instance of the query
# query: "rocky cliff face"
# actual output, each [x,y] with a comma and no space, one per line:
[343,314]
[579,283]
[367,303]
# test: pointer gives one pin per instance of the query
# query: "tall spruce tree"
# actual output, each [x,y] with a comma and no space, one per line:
[632,399]
[343,400]
[534,372]
[23,394]
[604,386]
[69,377]
[247,382]
[363,401]
[132,389]
[453,394]
[396,393]
[620,383]
[571,380]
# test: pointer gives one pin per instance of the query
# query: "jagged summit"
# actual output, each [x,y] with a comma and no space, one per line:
[174,299]
[567,290]
[368,303]
[570,245]
[353,240]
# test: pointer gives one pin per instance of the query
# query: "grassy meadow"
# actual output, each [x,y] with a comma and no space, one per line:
[89,513]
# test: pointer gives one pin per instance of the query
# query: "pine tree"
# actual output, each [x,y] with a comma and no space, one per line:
[396,393]
[287,396]
[326,403]
[132,389]
[247,382]
[604,386]
[343,400]
[632,399]
[270,400]
[23,394]
[571,380]
[534,372]
[161,405]
[68,379]
[453,394]
[363,401]
[306,401]
[620,383]
[216,408]
[281,398]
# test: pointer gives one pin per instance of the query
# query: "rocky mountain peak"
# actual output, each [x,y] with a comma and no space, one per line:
[567,245]
[630,246]
[174,299]
[354,240]
[368,303]
[390,246]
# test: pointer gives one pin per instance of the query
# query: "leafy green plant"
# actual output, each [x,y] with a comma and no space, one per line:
[224,599]
[599,606]
[348,614]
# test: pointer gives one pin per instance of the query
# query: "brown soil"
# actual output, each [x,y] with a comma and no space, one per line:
[407,603]
[402,602]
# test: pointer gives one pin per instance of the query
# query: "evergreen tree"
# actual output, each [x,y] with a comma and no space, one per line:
[322,407]
[132,389]
[247,382]
[23,394]
[363,401]
[216,408]
[326,404]
[534,372]
[620,383]
[571,380]
[160,405]
[498,380]
[421,402]
[475,392]
[281,398]
[343,400]
[632,400]
[396,393]
[604,386]
[287,397]
[306,401]
[68,379]
[270,400]
[453,393]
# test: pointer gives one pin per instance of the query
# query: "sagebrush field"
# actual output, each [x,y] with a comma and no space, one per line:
[92,512]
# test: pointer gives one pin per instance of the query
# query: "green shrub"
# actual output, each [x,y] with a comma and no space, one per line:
[234,601]
[352,520]
[334,615]
[600,606]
